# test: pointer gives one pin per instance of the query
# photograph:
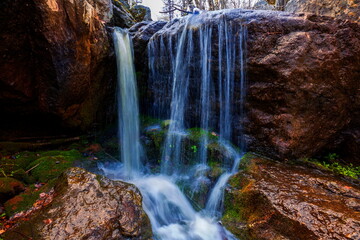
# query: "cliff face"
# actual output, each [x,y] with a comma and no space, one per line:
[302,73]
[56,59]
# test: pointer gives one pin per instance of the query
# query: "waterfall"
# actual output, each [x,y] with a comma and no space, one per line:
[193,74]
[208,65]
[128,112]
[171,214]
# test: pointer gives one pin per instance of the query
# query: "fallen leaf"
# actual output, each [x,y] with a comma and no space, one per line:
[48,221]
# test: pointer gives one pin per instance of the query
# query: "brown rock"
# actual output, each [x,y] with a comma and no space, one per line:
[343,9]
[55,61]
[303,83]
[87,206]
[269,200]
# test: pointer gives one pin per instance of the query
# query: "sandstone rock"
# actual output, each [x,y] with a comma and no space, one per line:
[269,200]
[87,206]
[342,9]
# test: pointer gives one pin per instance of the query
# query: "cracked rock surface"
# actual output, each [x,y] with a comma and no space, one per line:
[268,200]
[88,206]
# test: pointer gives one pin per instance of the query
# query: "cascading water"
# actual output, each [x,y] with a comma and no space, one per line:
[204,47]
[189,57]
[128,112]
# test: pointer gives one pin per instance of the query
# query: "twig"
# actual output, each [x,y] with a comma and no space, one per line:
[33,167]
[174,9]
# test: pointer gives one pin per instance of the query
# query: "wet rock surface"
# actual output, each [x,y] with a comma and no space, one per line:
[87,206]
[269,200]
[141,34]
[302,73]
[334,8]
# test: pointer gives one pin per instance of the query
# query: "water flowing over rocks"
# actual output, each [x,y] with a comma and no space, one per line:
[87,206]
[269,200]
[302,80]
[57,64]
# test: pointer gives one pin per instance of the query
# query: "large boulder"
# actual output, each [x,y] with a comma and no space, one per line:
[303,74]
[87,206]
[269,200]
[302,80]
[141,13]
[342,9]
[122,14]
[56,64]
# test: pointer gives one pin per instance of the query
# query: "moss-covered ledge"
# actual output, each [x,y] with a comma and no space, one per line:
[270,200]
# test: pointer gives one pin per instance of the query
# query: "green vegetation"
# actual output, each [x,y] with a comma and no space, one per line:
[26,200]
[31,167]
[196,134]
[146,121]
[53,163]
[331,163]
[194,148]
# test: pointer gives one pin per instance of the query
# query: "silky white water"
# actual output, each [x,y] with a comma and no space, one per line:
[128,112]
[170,211]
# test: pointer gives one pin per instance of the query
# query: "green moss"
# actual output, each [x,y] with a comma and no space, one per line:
[8,184]
[246,160]
[336,167]
[196,134]
[52,164]
[26,200]
[146,121]
[165,124]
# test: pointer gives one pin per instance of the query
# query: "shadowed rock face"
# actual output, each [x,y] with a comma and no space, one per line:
[87,206]
[341,9]
[268,200]
[303,76]
[55,60]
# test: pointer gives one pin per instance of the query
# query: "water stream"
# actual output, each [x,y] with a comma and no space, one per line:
[171,213]
[128,112]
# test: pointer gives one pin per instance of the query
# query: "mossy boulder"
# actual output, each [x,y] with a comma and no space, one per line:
[88,206]
[52,164]
[141,13]
[26,199]
[122,16]
[270,200]
[9,187]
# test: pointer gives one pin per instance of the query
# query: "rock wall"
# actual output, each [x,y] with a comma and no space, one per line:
[56,60]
